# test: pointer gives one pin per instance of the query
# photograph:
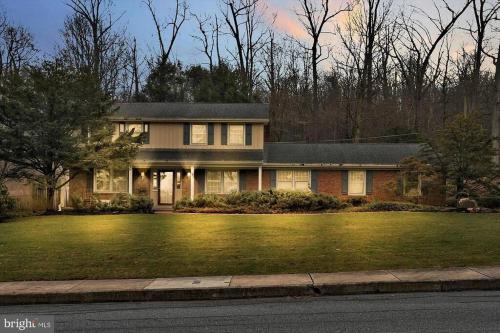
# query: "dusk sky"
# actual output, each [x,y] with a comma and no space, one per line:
[44,18]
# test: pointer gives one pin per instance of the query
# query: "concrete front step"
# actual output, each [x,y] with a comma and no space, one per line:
[244,286]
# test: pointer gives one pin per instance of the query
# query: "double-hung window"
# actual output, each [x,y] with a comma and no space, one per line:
[357,183]
[412,184]
[199,134]
[236,135]
[293,180]
[137,129]
[111,180]
[221,182]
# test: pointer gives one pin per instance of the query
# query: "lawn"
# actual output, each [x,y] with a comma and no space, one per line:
[138,246]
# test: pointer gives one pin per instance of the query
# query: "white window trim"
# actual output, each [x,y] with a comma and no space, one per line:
[229,135]
[293,179]
[191,134]
[419,189]
[222,181]
[111,175]
[349,184]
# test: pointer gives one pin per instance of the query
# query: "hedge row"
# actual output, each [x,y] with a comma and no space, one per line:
[120,203]
[261,202]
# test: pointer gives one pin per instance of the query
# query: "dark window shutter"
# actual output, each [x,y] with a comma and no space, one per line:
[272,175]
[145,134]
[187,133]
[210,133]
[314,181]
[223,134]
[200,175]
[248,134]
[90,181]
[369,182]
[243,180]
[345,182]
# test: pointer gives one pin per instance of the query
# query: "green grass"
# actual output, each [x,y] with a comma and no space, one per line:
[137,246]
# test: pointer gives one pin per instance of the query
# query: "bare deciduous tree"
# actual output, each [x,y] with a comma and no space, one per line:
[314,18]
[485,12]
[360,36]
[245,21]
[174,25]
[91,43]
[420,45]
[17,48]
[208,37]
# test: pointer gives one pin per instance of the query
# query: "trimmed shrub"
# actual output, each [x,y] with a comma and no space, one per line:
[120,203]
[356,201]
[392,206]
[261,202]
[77,203]
[141,204]
[489,202]
[6,202]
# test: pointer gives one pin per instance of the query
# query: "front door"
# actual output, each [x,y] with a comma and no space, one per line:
[166,188]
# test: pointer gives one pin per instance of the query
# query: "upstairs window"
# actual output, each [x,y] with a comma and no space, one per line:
[236,135]
[293,180]
[357,183]
[199,134]
[137,129]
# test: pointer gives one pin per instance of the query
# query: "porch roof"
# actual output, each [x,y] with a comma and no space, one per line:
[180,156]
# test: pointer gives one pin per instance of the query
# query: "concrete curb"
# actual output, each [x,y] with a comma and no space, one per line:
[12,293]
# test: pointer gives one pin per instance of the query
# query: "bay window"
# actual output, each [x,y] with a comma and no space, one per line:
[221,182]
[111,181]
[293,180]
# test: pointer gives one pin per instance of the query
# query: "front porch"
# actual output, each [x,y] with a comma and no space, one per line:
[166,185]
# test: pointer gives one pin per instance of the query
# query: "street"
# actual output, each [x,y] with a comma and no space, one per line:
[420,312]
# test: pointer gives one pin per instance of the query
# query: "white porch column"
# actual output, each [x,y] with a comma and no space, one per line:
[192,182]
[130,179]
[260,178]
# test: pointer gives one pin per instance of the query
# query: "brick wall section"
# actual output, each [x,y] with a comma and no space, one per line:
[252,180]
[330,182]
[266,180]
[78,185]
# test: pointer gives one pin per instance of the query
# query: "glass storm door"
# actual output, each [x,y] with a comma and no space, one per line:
[166,187]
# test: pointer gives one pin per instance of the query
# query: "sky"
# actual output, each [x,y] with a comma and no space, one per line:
[45,18]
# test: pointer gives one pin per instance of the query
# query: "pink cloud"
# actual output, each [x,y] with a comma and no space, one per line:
[286,20]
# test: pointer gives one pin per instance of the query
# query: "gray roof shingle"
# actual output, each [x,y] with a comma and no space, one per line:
[332,153]
[192,111]
[198,155]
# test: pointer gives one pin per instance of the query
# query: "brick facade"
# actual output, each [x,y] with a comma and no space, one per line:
[328,182]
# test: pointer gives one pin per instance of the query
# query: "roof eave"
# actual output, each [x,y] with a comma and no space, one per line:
[183,120]
[337,166]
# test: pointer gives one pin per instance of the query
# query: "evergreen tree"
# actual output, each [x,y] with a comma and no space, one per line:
[463,153]
[53,120]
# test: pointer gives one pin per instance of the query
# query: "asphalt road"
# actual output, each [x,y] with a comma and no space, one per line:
[429,312]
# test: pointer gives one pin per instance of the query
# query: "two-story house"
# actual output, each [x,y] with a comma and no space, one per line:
[219,148]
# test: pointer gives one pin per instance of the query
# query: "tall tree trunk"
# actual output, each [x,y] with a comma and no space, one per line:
[496,111]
